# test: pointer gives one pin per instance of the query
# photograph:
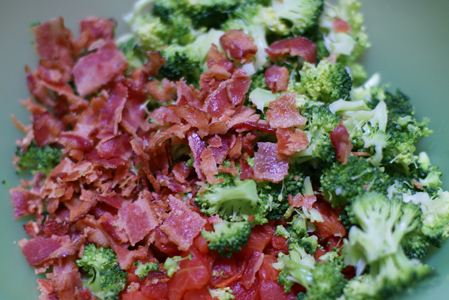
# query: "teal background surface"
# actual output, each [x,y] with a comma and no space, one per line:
[410,42]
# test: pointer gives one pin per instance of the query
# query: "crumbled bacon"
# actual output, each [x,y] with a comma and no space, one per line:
[182,224]
[290,142]
[238,45]
[266,165]
[341,142]
[340,25]
[299,46]
[282,112]
[276,79]
[96,69]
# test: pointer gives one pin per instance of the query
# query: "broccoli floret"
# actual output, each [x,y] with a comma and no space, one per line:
[189,61]
[404,132]
[171,264]
[376,240]
[228,237]
[415,244]
[296,267]
[435,215]
[209,13]
[342,183]
[106,279]
[326,82]
[301,15]
[327,282]
[222,294]
[234,200]
[143,269]
[38,159]
[320,122]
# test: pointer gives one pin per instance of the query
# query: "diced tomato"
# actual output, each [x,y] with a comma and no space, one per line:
[241,293]
[267,271]
[225,271]
[164,245]
[155,291]
[280,243]
[201,244]
[192,275]
[260,237]
[331,225]
[253,267]
[135,296]
[319,252]
[202,294]
[269,290]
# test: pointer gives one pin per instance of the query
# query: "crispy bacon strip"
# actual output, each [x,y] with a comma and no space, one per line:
[238,45]
[299,46]
[341,142]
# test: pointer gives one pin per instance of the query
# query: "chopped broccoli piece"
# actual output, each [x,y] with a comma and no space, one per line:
[171,264]
[320,122]
[327,282]
[301,15]
[222,293]
[326,82]
[38,159]
[228,237]
[209,13]
[435,215]
[133,51]
[143,269]
[376,240]
[106,279]
[342,183]
[296,267]
[415,244]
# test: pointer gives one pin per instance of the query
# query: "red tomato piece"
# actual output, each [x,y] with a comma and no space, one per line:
[163,244]
[241,293]
[155,291]
[134,296]
[331,225]
[269,290]
[267,271]
[225,271]
[192,275]
[202,294]
[260,237]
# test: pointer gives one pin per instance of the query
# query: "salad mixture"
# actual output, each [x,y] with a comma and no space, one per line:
[222,150]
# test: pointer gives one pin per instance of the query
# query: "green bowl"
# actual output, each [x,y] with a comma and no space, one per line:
[409,43]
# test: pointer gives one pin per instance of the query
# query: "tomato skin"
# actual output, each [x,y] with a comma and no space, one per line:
[269,290]
[156,291]
[267,272]
[193,274]
[202,294]
[241,293]
[260,237]
[331,225]
[226,270]
[135,296]
[201,244]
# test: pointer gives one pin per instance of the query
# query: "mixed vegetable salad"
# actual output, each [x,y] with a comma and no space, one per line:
[222,150]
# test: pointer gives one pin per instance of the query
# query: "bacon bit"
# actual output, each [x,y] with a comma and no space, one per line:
[139,210]
[215,141]
[299,46]
[25,202]
[212,78]
[341,142]
[197,145]
[181,171]
[290,142]
[299,201]
[156,61]
[53,43]
[361,154]
[37,89]
[238,45]
[195,117]
[46,128]
[208,166]
[214,56]
[96,69]
[266,165]
[282,112]
[417,184]
[243,114]
[238,86]
[248,126]
[188,95]
[163,95]
[340,25]
[111,114]
[182,224]
[276,79]
[95,28]
[254,264]
[217,102]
